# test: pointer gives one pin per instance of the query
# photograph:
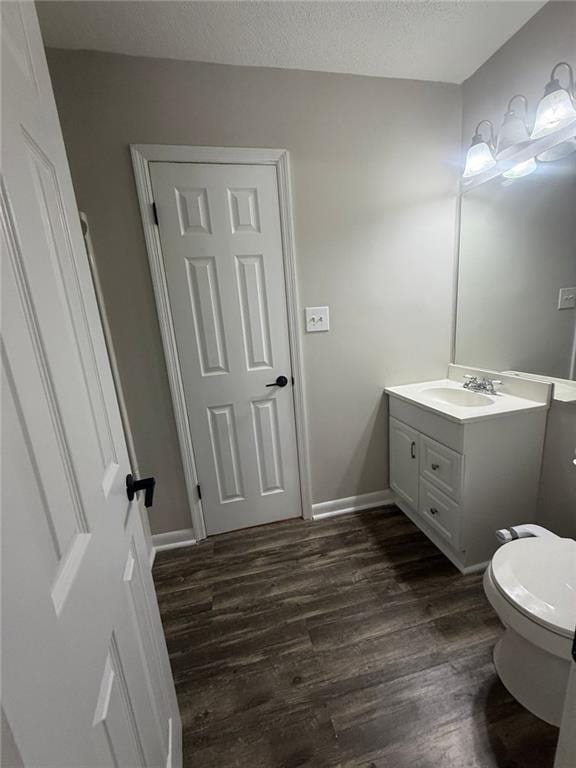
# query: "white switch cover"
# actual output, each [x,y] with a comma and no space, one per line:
[567,298]
[317,319]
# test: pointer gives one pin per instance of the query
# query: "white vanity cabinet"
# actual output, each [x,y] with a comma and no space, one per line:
[459,480]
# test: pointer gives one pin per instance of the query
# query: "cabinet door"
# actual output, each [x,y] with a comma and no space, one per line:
[404,462]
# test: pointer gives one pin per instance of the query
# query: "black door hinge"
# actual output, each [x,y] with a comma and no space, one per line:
[155,213]
[199,491]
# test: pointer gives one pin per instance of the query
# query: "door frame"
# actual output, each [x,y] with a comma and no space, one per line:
[142,156]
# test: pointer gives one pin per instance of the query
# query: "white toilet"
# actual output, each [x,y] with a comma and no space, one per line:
[531,584]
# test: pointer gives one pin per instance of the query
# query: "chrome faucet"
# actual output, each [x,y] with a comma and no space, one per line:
[475,384]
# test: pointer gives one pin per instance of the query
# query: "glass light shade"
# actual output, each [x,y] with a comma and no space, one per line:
[561,150]
[513,136]
[521,169]
[479,158]
[555,111]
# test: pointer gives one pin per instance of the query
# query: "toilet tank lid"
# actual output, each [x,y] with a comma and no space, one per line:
[539,576]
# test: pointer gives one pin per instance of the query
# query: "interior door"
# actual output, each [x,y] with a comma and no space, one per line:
[566,750]
[222,249]
[85,672]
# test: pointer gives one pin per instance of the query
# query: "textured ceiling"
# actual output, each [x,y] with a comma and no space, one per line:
[444,40]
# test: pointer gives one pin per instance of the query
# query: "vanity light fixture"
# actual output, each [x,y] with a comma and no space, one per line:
[512,137]
[480,156]
[556,110]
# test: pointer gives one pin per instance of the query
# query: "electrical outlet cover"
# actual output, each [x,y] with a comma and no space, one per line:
[317,319]
[567,298]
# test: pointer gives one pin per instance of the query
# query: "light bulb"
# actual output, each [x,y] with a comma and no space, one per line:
[478,159]
[480,156]
[514,132]
[556,108]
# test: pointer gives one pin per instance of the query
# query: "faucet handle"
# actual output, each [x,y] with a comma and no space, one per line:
[490,385]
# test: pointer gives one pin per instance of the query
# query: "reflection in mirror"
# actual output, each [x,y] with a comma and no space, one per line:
[517,267]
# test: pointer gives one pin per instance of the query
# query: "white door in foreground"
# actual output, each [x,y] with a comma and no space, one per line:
[222,249]
[566,751]
[85,672]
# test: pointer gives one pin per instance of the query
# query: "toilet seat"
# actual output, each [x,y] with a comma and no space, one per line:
[537,576]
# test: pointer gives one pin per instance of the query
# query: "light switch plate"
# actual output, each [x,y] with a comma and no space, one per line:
[317,319]
[567,298]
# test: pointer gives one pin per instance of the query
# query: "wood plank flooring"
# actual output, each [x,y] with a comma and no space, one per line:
[346,643]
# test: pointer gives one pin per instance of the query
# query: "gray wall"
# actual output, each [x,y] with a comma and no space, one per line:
[557,503]
[523,65]
[375,165]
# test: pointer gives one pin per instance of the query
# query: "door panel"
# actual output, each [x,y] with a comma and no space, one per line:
[254,308]
[85,670]
[404,462]
[268,445]
[207,312]
[221,243]
[226,455]
[244,211]
[117,734]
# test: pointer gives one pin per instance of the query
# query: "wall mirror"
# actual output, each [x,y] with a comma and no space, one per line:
[517,274]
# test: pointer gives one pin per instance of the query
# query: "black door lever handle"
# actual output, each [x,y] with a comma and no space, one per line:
[146,484]
[281,381]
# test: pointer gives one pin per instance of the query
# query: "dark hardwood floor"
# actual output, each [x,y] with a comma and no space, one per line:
[350,642]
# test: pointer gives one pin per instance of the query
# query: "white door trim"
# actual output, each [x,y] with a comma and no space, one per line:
[142,155]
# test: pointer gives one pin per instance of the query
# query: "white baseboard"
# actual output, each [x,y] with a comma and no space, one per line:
[172,540]
[170,755]
[364,501]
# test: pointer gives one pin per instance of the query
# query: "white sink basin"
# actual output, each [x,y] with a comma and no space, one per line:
[449,398]
[462,397]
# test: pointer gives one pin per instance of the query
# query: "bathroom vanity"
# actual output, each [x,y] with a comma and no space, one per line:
[464,464]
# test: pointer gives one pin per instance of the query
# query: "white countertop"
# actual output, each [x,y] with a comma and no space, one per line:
[500,404]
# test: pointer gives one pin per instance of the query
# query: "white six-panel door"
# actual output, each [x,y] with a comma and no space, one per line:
[222,249]
[86,681]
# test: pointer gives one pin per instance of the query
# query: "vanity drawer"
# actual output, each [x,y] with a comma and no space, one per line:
[441,466]
[440,512]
